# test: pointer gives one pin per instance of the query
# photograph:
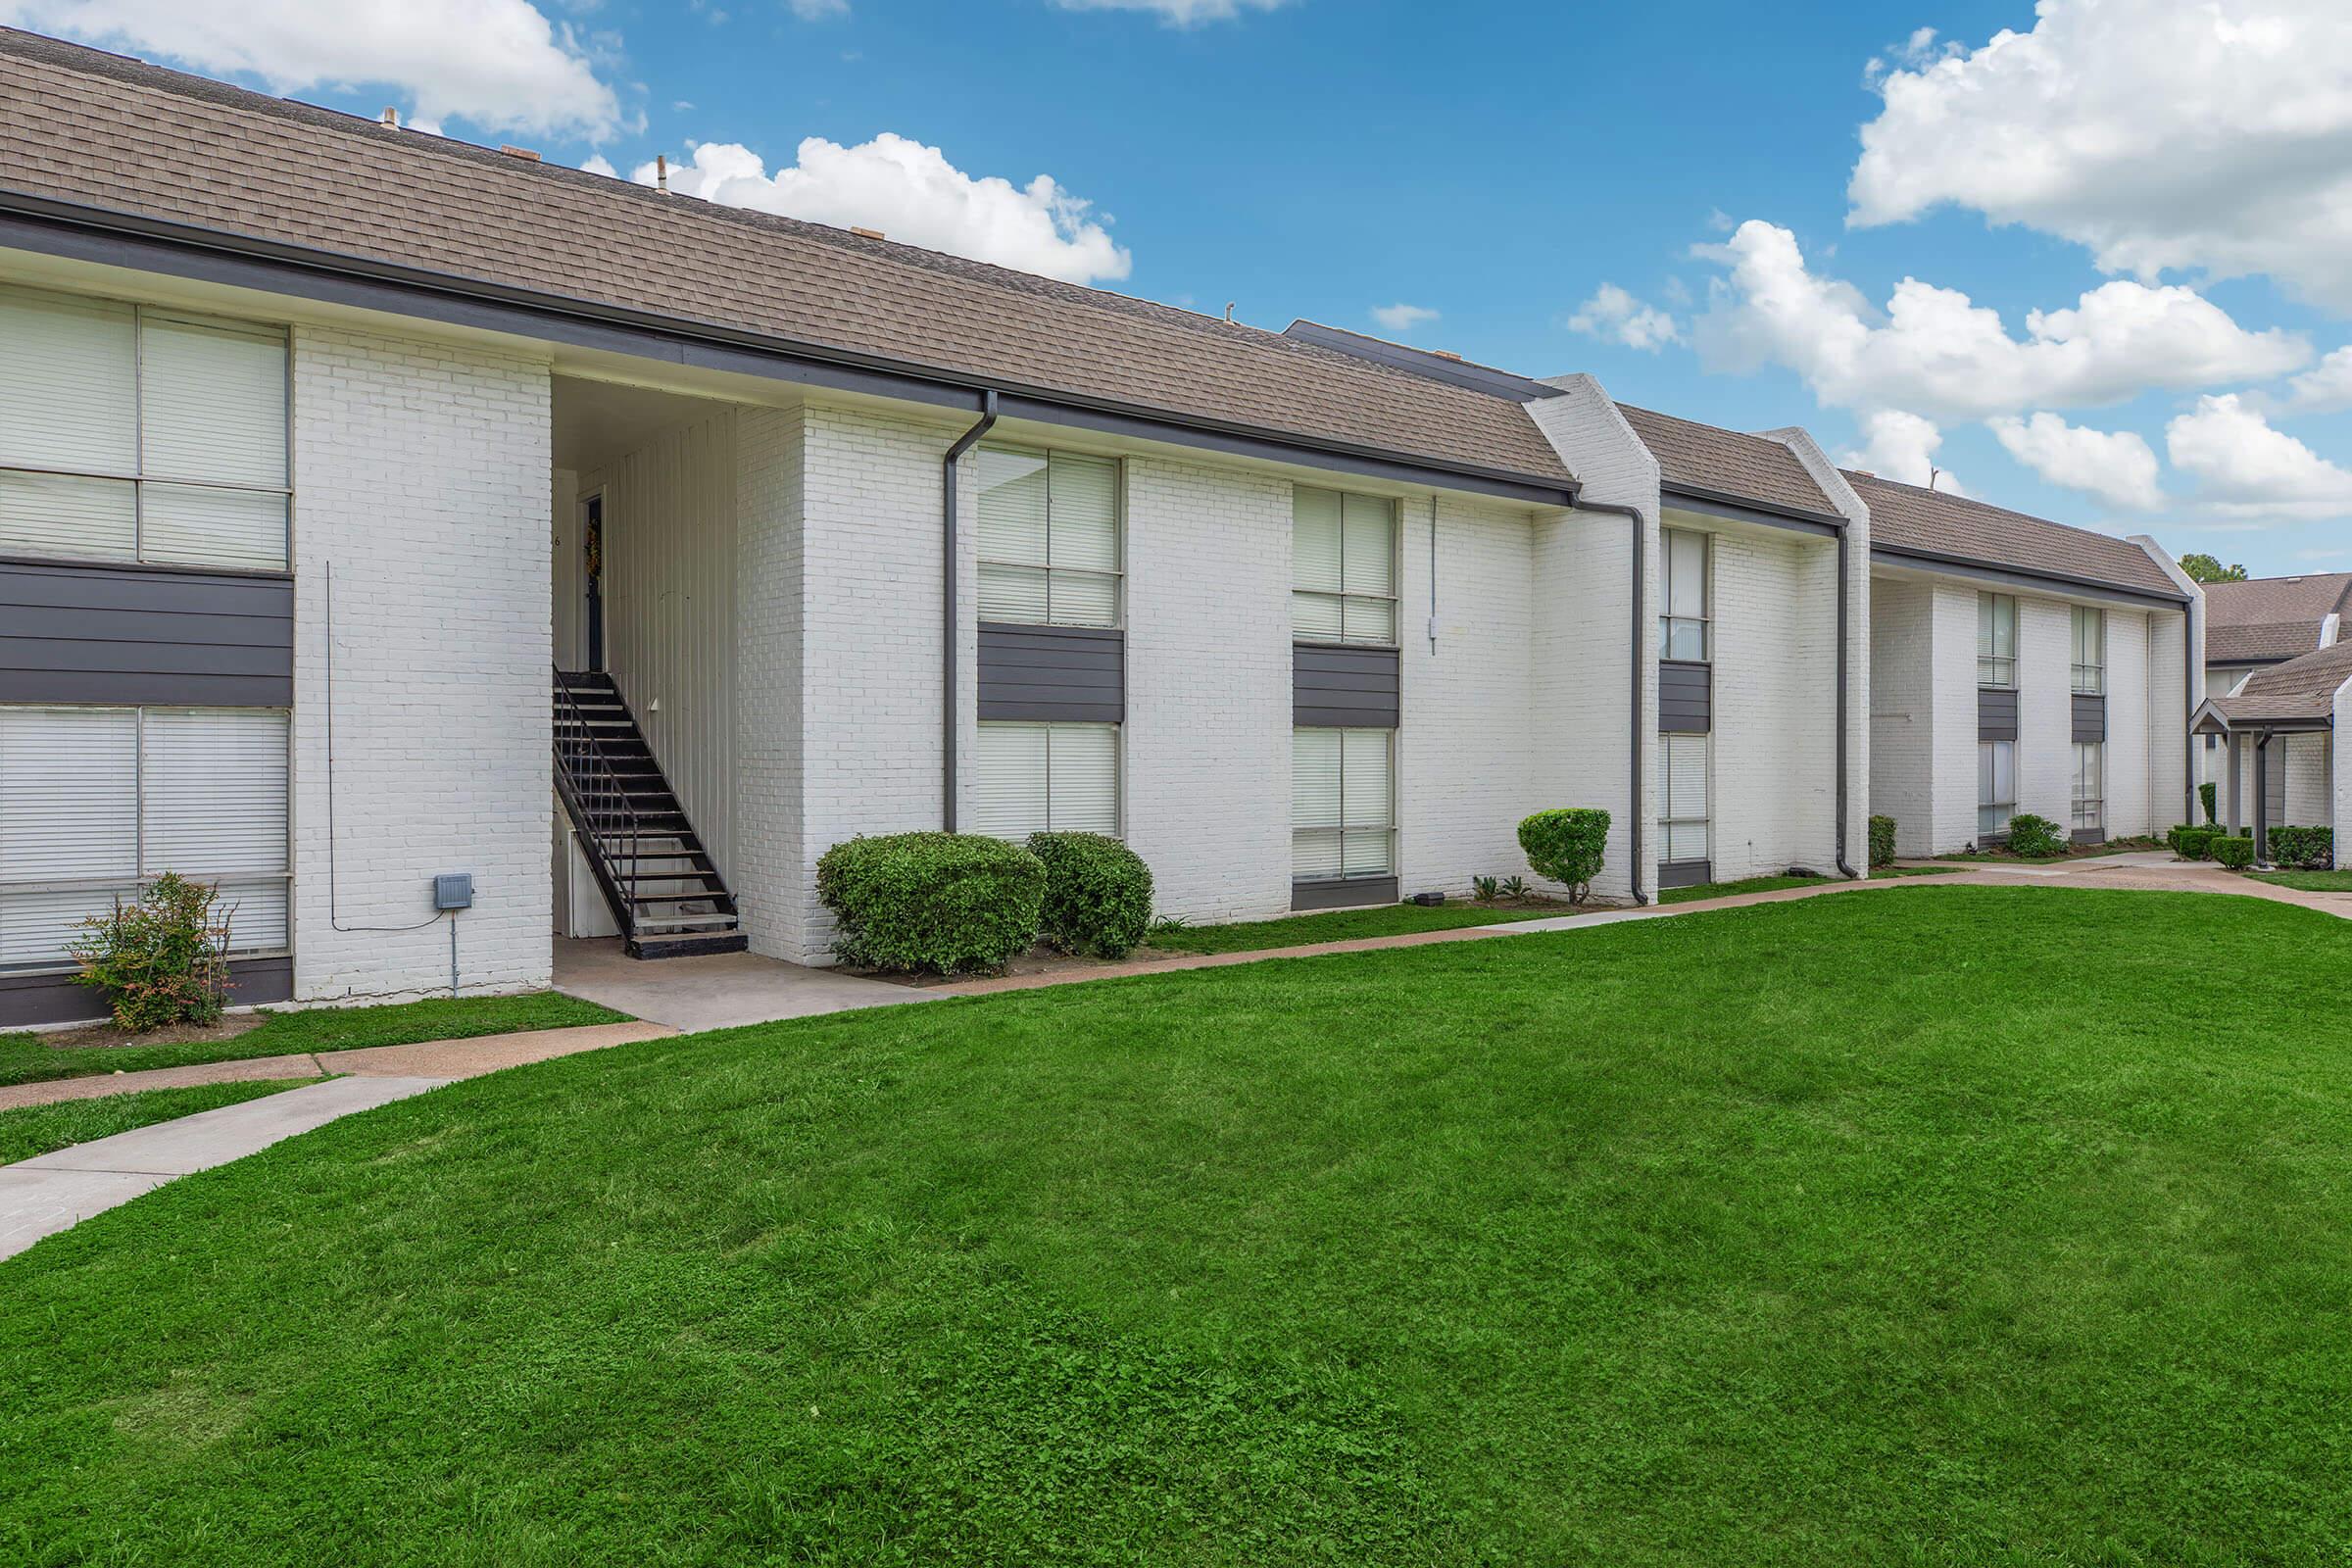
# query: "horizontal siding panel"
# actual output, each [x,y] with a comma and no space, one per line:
[1996,715]
[1685,873]
[1322,718]
[1341,893]
[134,635]
[1344,688]
[38,999]
[126,657]
[1072,674]
[145,688]
[2091,717]
[130,587]
[1686,698]
[158,626]
[1017,710]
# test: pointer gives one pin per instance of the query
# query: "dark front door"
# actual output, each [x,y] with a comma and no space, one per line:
[592,561]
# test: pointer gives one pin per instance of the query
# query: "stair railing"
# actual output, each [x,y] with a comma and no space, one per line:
[595,794]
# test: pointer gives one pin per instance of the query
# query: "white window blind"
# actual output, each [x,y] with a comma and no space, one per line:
[1040,778]
[2090,650]
[1049,538]
[1683,628]
[1683,810]
[2090,785]
[94,802]
[1342,804]
[1996,640]
[1343,566]
[1996,786]
[103,406]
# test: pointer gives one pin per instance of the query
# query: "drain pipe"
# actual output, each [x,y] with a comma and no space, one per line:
[950,631]
[1844,869]
[1641,635]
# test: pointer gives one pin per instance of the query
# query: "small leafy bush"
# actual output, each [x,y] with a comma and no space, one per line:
[2205,793]
[2233,851]
[1881,842]
[1566,846]
[2036,838]
[1098,899]
[2187,839]
[160,958]
[2309,847]
[1514,887]
[1484,889]
[931,902]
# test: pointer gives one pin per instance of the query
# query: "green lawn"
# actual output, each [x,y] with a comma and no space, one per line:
[29,1130]
[1341,925]
[1727,890]
[1889,874]
[28,1057]
[2306,881]
[1945,1226]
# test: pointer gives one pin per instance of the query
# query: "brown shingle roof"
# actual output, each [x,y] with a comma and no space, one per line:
[1749,468]
[1907,516]
[2300,688]
[97,130]
[2272,618]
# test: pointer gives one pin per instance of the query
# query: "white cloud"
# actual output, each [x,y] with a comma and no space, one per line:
[1936,353]
[2159,133]
[1177,13]
[1403,318]
[1613,315]
[2243,468]
[1901,446]
[819,10]
[598,164]
[911,193]
[2325,387]
[497,63]
[2118,466]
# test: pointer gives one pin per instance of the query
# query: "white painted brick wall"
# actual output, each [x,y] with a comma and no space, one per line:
[1858,586]
[2045,722]
[2131,807]
[421,474]
[2309,788]
[2339,770]
[1902,713]
[1774,791]
[769,608]
[1207,738]
[1952,728]
[2169,661]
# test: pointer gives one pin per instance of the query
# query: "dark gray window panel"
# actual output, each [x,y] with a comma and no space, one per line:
[1996,714]
[1344,688]
[1686,873]
[1076,674]
[1686,698]
[35,999]
[2091,717]
[1339,893]
[2090,835]
[131,634]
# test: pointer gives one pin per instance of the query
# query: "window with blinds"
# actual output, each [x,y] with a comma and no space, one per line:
[129,433]
[1049,538]
[2091,651]
[2090,785]
[1046,778]
[1996,640]
[1342,567]
[1683,813]
[1683,628]
[1342,804]
[95,802]
[1996,787]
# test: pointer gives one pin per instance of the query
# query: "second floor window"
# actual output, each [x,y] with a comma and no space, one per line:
[1342,567]
[1049,538]
[1683,628]
[2091,651]
[1996,640]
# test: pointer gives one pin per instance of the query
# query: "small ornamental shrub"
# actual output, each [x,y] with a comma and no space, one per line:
[160,958]
[1881,842]
[1098,894]
[2308,847]
[2188,840]
[2036,838]
[1514,887]
[2233,851]
[2205,793]
[931,902]
[1566,846]
[1484,889]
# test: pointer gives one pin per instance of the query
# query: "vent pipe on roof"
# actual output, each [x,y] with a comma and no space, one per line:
[662,172]
[523,153]
[868,233]
[392,117]
[1229,304]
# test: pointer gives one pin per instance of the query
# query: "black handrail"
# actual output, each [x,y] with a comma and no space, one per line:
[595,795]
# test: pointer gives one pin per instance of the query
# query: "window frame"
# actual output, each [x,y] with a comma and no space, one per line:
[1393,600]
[1990,750]
[2090,811]
[1343,829]
[1995,671]
[2090,676]
[1116,575]
[1667,820]
[140,480]
[1705,619]
[1118,771]
[143,878]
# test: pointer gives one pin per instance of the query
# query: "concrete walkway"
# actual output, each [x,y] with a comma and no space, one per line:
[717,991]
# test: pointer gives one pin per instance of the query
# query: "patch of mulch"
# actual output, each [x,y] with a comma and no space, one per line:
[104,1036]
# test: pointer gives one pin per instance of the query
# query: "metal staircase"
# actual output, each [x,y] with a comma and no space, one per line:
[658,880]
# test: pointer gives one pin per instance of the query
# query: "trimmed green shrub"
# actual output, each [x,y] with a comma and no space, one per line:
[931,902]
[1881,842]
[159,958]
[2197,841]
[2036,838]
[2233,851]
[2205,793]
[1566,846]
[2172,839]
[2308,847]
[1098,894]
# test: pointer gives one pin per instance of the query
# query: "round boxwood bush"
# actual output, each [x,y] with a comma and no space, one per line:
[1566,846]
[2233,851]
[1881,842]
[2036,838]
[931,902]
[1098,894]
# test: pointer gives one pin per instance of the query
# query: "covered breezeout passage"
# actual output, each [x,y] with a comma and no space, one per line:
[2280,729]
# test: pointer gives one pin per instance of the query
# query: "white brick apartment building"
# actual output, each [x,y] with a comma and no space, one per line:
[323,444]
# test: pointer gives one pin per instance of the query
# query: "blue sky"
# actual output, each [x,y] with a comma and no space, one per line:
[1499,164]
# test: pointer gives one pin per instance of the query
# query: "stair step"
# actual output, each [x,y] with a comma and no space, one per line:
[685,946]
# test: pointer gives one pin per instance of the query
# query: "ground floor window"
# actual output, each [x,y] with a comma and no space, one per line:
[1046,778]
[2091,786]
[1996,787]
[1683,814]
[1342,804]
[95,802]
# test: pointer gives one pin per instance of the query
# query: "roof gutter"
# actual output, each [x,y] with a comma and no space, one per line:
[951,627]
[81,232]
[1639,647]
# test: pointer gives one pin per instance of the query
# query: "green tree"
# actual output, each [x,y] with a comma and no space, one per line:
[2208,569]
